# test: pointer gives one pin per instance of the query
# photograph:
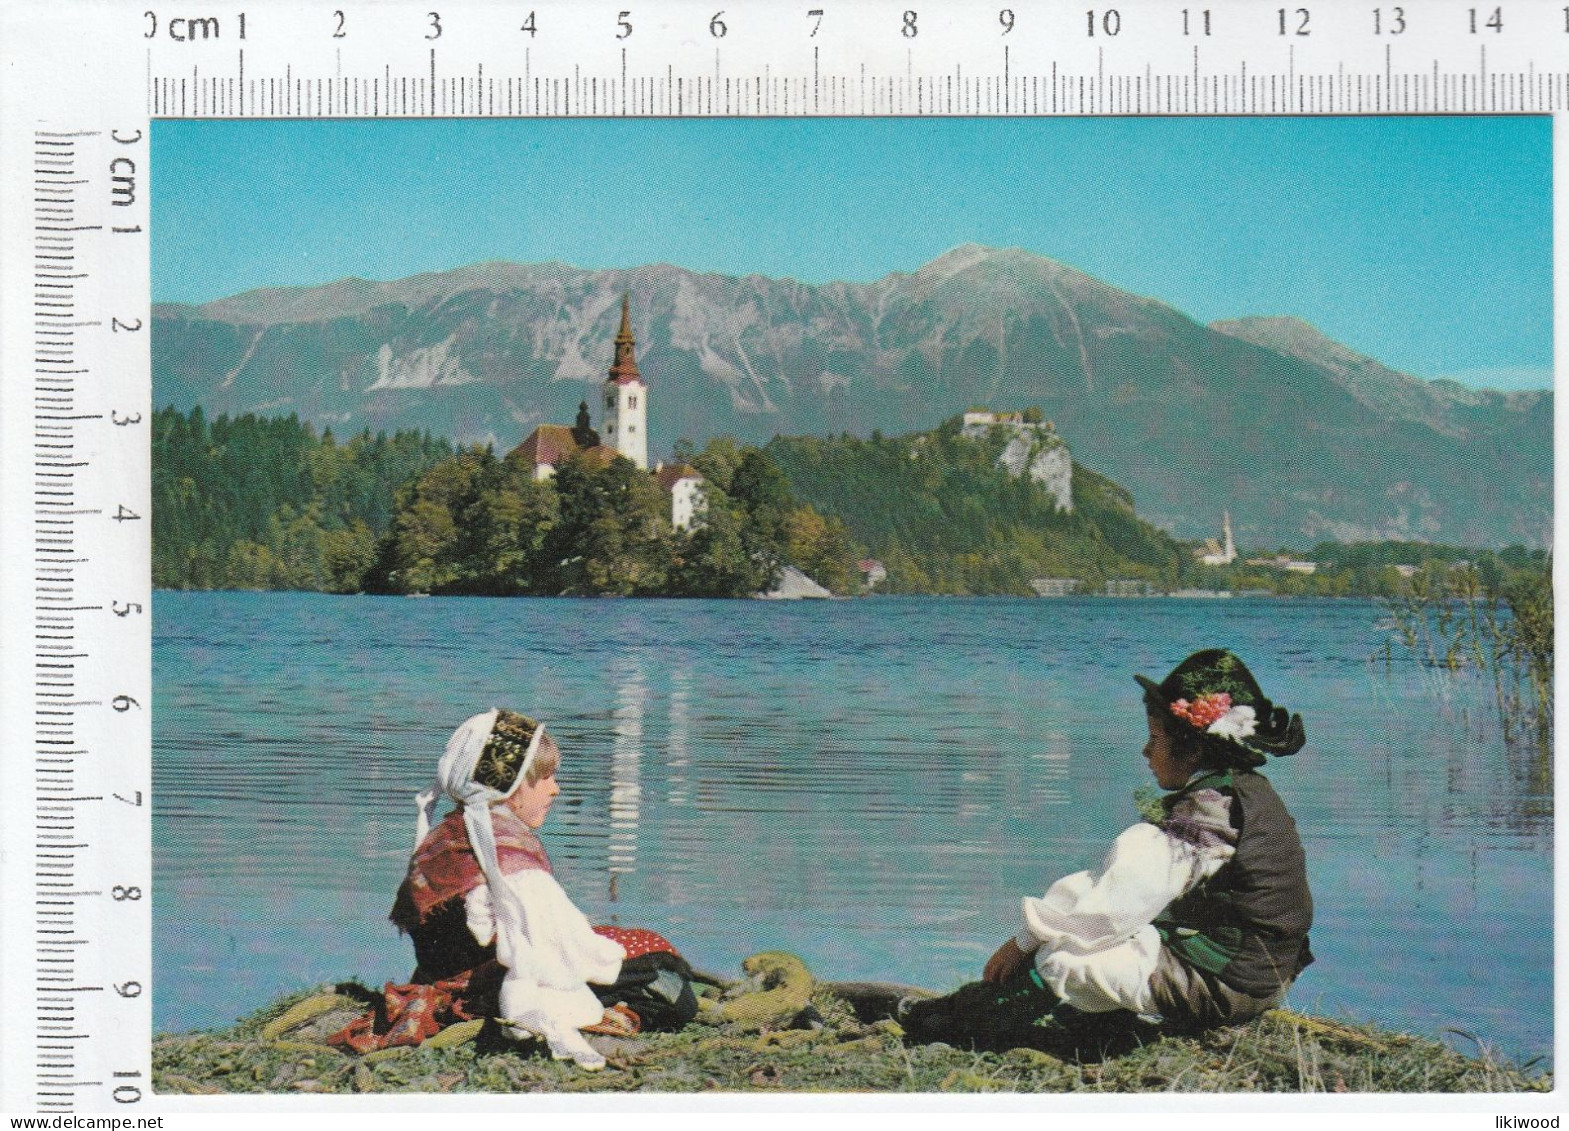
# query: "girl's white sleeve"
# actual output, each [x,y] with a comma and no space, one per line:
[1094,910]
[557,953]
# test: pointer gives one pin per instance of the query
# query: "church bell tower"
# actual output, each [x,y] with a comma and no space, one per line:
[626,397]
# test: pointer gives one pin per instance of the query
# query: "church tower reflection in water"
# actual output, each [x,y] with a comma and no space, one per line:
[626,768]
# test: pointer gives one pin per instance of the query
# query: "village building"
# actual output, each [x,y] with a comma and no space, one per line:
[1055,586]
[1129,587]
[625,424]
[1288,563]
[684,484]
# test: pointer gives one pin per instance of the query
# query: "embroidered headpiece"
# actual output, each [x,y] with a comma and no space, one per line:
[508,752]
[485,760]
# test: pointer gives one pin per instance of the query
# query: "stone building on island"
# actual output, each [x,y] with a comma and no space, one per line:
[625,433]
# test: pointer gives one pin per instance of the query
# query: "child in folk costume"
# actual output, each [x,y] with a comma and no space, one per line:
[1200,917]
[481,877]
[494,934]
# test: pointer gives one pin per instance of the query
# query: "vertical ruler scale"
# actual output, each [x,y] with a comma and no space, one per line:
[60,811]
[90,682]
[74,413]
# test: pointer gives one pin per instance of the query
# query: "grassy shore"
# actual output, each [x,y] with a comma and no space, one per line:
[822,1046]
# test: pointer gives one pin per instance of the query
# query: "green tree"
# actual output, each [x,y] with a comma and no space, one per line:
[508,526]
[712,559]
[613,536]
[717,461]
[764,495]
[426,542]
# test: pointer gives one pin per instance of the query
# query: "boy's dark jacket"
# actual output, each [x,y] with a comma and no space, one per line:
[1248,923]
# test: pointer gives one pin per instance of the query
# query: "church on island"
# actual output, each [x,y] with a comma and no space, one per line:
[625,424]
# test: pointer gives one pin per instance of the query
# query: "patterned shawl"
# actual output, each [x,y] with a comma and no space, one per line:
[444,866]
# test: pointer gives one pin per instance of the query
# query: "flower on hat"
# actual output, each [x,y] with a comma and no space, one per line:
[1236,724]
[1214,714]
[1204,710]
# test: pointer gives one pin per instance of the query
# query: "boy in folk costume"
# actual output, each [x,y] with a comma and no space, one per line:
[1199,917]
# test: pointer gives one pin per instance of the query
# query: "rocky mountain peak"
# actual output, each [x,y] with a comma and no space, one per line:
[1337,444]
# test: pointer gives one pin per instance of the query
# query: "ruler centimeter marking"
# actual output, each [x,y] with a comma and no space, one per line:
[88,460]
[1054,92]
[678,59]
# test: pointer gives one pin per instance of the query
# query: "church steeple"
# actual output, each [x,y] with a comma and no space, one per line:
[625,366]
[626,397]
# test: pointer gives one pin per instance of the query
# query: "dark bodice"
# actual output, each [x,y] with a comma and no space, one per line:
[444,946]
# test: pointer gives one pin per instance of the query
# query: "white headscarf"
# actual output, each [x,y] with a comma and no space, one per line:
[455,778]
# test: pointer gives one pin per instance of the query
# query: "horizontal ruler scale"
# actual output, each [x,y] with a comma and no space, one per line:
[1055,92]
[957,59]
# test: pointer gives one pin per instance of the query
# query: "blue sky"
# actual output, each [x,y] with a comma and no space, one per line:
[1423,242]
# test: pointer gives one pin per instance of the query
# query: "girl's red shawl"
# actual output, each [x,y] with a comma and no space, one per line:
[444,865]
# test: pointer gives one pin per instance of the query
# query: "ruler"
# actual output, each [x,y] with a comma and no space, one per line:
[76,656]
[83,84]
[997,57]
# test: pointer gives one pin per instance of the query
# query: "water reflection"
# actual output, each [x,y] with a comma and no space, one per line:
[626,767]
[678,758]
[1489,783]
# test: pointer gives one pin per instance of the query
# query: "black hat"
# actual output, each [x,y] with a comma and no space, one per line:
[1213,692]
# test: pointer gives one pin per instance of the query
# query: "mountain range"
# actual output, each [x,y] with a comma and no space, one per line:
[1299,437]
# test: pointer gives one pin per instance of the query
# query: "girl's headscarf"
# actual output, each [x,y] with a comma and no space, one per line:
[486,759]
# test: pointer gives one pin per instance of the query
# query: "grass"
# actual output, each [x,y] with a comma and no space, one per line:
[270,1052]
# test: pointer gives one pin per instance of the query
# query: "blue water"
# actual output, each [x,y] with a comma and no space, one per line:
[870,784]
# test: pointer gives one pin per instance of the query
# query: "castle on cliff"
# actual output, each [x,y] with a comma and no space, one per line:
[625,433]
[1033,447]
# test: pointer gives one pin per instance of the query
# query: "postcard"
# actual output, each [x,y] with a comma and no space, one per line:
[1045,608]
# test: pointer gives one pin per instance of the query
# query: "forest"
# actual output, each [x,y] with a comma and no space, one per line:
[268,503]
[941,516]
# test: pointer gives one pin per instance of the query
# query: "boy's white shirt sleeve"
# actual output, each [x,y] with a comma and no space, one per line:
[1091,932]
[545,990]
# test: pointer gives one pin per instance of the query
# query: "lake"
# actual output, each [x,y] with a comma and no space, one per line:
[870,784]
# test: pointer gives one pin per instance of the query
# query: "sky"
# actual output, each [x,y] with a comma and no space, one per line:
[1423,242]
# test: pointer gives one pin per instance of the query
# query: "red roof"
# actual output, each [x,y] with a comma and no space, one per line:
[672,474]
[546,446]
[599,455]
